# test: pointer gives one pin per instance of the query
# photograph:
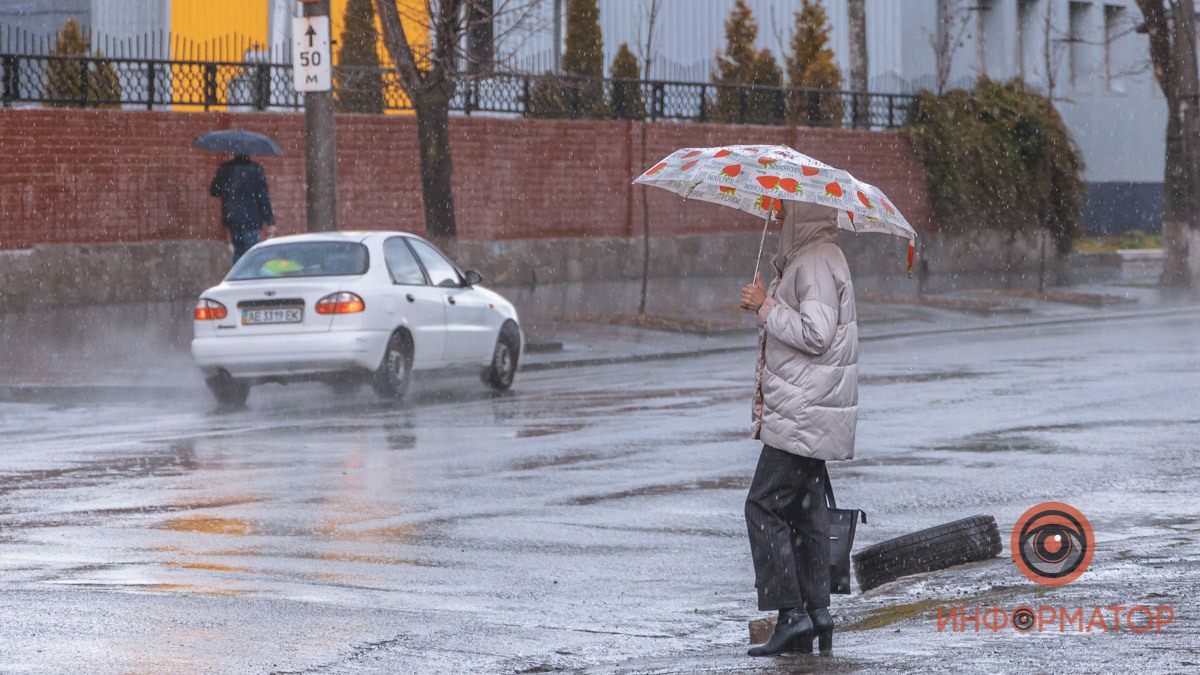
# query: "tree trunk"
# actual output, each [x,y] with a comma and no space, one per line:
[433,135]
[1181,199]
[1042,261]
[1174,226]
[941,48]
[857,12]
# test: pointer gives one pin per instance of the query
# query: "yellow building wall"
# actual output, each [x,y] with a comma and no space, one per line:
[417,32]
[218,29]
[223,30]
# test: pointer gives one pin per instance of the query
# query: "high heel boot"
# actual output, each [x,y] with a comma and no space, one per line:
[822,628]
[791,630]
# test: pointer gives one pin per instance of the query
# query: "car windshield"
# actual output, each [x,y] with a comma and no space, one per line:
[307,259]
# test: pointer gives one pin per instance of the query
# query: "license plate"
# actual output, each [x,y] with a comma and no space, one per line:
[252,317]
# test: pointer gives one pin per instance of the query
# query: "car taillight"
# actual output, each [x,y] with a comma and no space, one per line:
[210,310]
[340,303]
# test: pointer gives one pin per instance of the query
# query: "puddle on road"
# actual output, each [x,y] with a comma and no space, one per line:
[1107,424]
[1158,523]
[607,403]
[391,533]
[210,525]
[935,376]
[1043,361]
[896,460]
[176,460]
[998,442]
[168,508]
[278,556]
[363,558]
[736,482]
[210,567]
[549,430]
[727,436]
[149,587]
[1020,438]
[401,441]
[191,589]
[738,532]
[569,459]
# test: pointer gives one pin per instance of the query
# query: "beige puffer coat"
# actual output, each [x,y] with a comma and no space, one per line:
[806,385]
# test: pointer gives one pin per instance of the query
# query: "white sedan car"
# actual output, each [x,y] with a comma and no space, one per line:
[347,308]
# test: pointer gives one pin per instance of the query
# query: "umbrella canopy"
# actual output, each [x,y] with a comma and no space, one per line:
[238,142]
[757,178]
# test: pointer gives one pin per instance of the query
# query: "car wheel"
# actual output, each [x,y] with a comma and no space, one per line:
[229,391]
[499,375]
[962,541]
[392,378]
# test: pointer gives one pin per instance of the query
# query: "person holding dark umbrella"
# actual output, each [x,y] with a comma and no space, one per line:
[241,183]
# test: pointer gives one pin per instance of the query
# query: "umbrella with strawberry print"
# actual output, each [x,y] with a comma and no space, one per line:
[759,178]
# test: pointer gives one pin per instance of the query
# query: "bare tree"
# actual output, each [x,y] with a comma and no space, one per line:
[1111,43]
[1051,60]
[953,18]
[1171,27]
[1054,43]
[646,45]
[431,76]
[856,11]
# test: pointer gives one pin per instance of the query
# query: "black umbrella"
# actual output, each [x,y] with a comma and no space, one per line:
[238,142]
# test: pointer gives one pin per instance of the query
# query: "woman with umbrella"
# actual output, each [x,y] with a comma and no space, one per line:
[805,408]
[806,383]
[241,183]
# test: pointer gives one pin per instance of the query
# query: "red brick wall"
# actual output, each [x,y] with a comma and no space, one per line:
[104,176]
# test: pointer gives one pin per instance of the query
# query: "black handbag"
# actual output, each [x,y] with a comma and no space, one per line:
[842,524]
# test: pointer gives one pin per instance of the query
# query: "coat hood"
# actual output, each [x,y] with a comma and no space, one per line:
[804,224]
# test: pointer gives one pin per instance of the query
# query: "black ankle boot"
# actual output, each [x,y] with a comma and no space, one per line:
[822,625]
[792,629]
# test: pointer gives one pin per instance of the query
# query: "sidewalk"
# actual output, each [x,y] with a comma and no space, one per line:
[122,350]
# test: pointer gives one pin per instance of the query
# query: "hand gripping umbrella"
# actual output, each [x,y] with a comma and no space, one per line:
[759,178]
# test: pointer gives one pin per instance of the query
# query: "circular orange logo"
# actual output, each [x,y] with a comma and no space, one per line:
[1052,544]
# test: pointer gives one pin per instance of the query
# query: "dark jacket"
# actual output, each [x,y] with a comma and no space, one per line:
[242,186]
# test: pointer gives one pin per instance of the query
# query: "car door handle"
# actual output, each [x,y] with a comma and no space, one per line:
[451,299]
[409,297]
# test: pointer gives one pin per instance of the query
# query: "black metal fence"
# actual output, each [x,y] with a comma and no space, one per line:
[204,85]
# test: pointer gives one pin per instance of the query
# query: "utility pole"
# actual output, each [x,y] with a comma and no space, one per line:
[312,65]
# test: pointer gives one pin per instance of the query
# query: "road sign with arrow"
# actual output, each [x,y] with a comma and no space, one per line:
[311,63]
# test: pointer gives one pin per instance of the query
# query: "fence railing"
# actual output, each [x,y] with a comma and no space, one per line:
[203,85]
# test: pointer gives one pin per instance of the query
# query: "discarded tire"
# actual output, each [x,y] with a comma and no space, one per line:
[962,541]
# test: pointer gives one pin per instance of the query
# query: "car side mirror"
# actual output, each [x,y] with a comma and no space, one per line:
[472,277]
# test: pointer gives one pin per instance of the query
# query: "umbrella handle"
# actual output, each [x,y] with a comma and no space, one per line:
[761,241]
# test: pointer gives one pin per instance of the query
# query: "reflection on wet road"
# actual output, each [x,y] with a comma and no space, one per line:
[592,516]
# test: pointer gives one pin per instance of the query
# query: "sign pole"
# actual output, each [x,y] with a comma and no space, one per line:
[312,66]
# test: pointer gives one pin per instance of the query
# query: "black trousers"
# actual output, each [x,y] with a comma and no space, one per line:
[243,239]
[788,522]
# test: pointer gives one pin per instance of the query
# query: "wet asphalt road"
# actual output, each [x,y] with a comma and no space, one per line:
[590,519]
